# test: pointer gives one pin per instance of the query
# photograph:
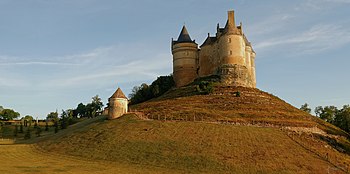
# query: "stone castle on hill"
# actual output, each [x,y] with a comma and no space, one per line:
[228,54]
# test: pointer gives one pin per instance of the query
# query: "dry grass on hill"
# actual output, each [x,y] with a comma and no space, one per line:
[252,107]
[194,147]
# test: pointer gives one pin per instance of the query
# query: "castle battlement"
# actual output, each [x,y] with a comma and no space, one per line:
[228,54]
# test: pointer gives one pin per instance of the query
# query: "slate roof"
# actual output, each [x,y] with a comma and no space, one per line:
[184,36]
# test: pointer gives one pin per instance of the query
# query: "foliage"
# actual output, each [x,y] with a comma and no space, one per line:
[305,107]
[21,128]
[327,113]
[64,119]
[81,110]
[338,117]
[56,126]
[38,131]
[28,118]
[146,92]
[97,105]
[52,116]
[28,134]
[1,108]
[89,110]
[8,114]
[47,126]
[205,87]
[15,131]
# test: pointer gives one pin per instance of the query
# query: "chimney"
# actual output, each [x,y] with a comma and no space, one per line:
[231,19]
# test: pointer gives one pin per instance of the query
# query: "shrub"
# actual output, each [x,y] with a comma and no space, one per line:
[38,131]
[28,134]
[15,131]
[205,88]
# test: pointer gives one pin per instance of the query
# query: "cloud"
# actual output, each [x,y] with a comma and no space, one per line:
[102,65]
[317,39]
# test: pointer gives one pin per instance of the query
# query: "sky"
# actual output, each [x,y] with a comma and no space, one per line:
[55,54]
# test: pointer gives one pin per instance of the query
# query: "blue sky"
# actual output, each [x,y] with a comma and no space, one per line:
[55,54]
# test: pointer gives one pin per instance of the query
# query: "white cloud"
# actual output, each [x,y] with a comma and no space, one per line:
[317,39]
[99,66]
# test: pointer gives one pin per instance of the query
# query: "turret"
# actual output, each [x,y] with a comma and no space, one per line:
[185,59]
[118,104]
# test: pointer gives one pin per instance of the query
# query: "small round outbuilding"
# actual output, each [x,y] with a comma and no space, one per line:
[118,104]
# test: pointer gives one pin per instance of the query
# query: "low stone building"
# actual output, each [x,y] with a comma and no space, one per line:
[228,54]
[118,104]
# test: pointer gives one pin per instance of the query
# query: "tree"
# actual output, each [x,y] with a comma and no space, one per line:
[146,92]
[8,114]
[305,107]
[81,110]
[63,119]
[52,116]
[318,110]
[97,105]
[1,108]
[328,113]
[342,118]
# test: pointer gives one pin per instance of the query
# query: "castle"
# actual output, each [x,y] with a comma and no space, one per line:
[228,54]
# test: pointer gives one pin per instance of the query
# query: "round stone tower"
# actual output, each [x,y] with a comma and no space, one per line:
[233,70]
[185,59]
[118,104]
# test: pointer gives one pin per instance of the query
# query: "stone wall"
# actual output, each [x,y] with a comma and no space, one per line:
[185,63]
[117,107]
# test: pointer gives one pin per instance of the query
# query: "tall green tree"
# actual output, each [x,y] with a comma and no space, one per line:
[328,113]
[342,118]
[8,114]
[318,110]
[305,107]
[81,110]
[97,105]
[27,119]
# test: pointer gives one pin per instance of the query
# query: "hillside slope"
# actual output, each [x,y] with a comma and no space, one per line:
[197,147]
[253,106]
[217,133]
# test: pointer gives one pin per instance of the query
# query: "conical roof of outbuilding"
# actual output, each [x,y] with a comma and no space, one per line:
[119,94]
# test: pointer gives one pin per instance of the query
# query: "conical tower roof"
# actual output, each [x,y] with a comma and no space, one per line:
[184,36]
[119,94]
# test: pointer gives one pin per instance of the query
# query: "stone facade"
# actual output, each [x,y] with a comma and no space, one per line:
[118,104]
[228,54]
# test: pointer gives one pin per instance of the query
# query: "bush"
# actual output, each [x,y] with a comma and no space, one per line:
[38,131]
[205,88]
[56,126]
[21,128]
[28,134]
[15,132]
[46,127]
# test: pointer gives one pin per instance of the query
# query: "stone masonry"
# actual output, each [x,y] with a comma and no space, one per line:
[228,54]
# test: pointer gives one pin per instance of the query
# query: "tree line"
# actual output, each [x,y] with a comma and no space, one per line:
[71,116]
[146,92]
[331,114]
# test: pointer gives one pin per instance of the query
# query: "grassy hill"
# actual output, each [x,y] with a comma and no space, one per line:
[219,133]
